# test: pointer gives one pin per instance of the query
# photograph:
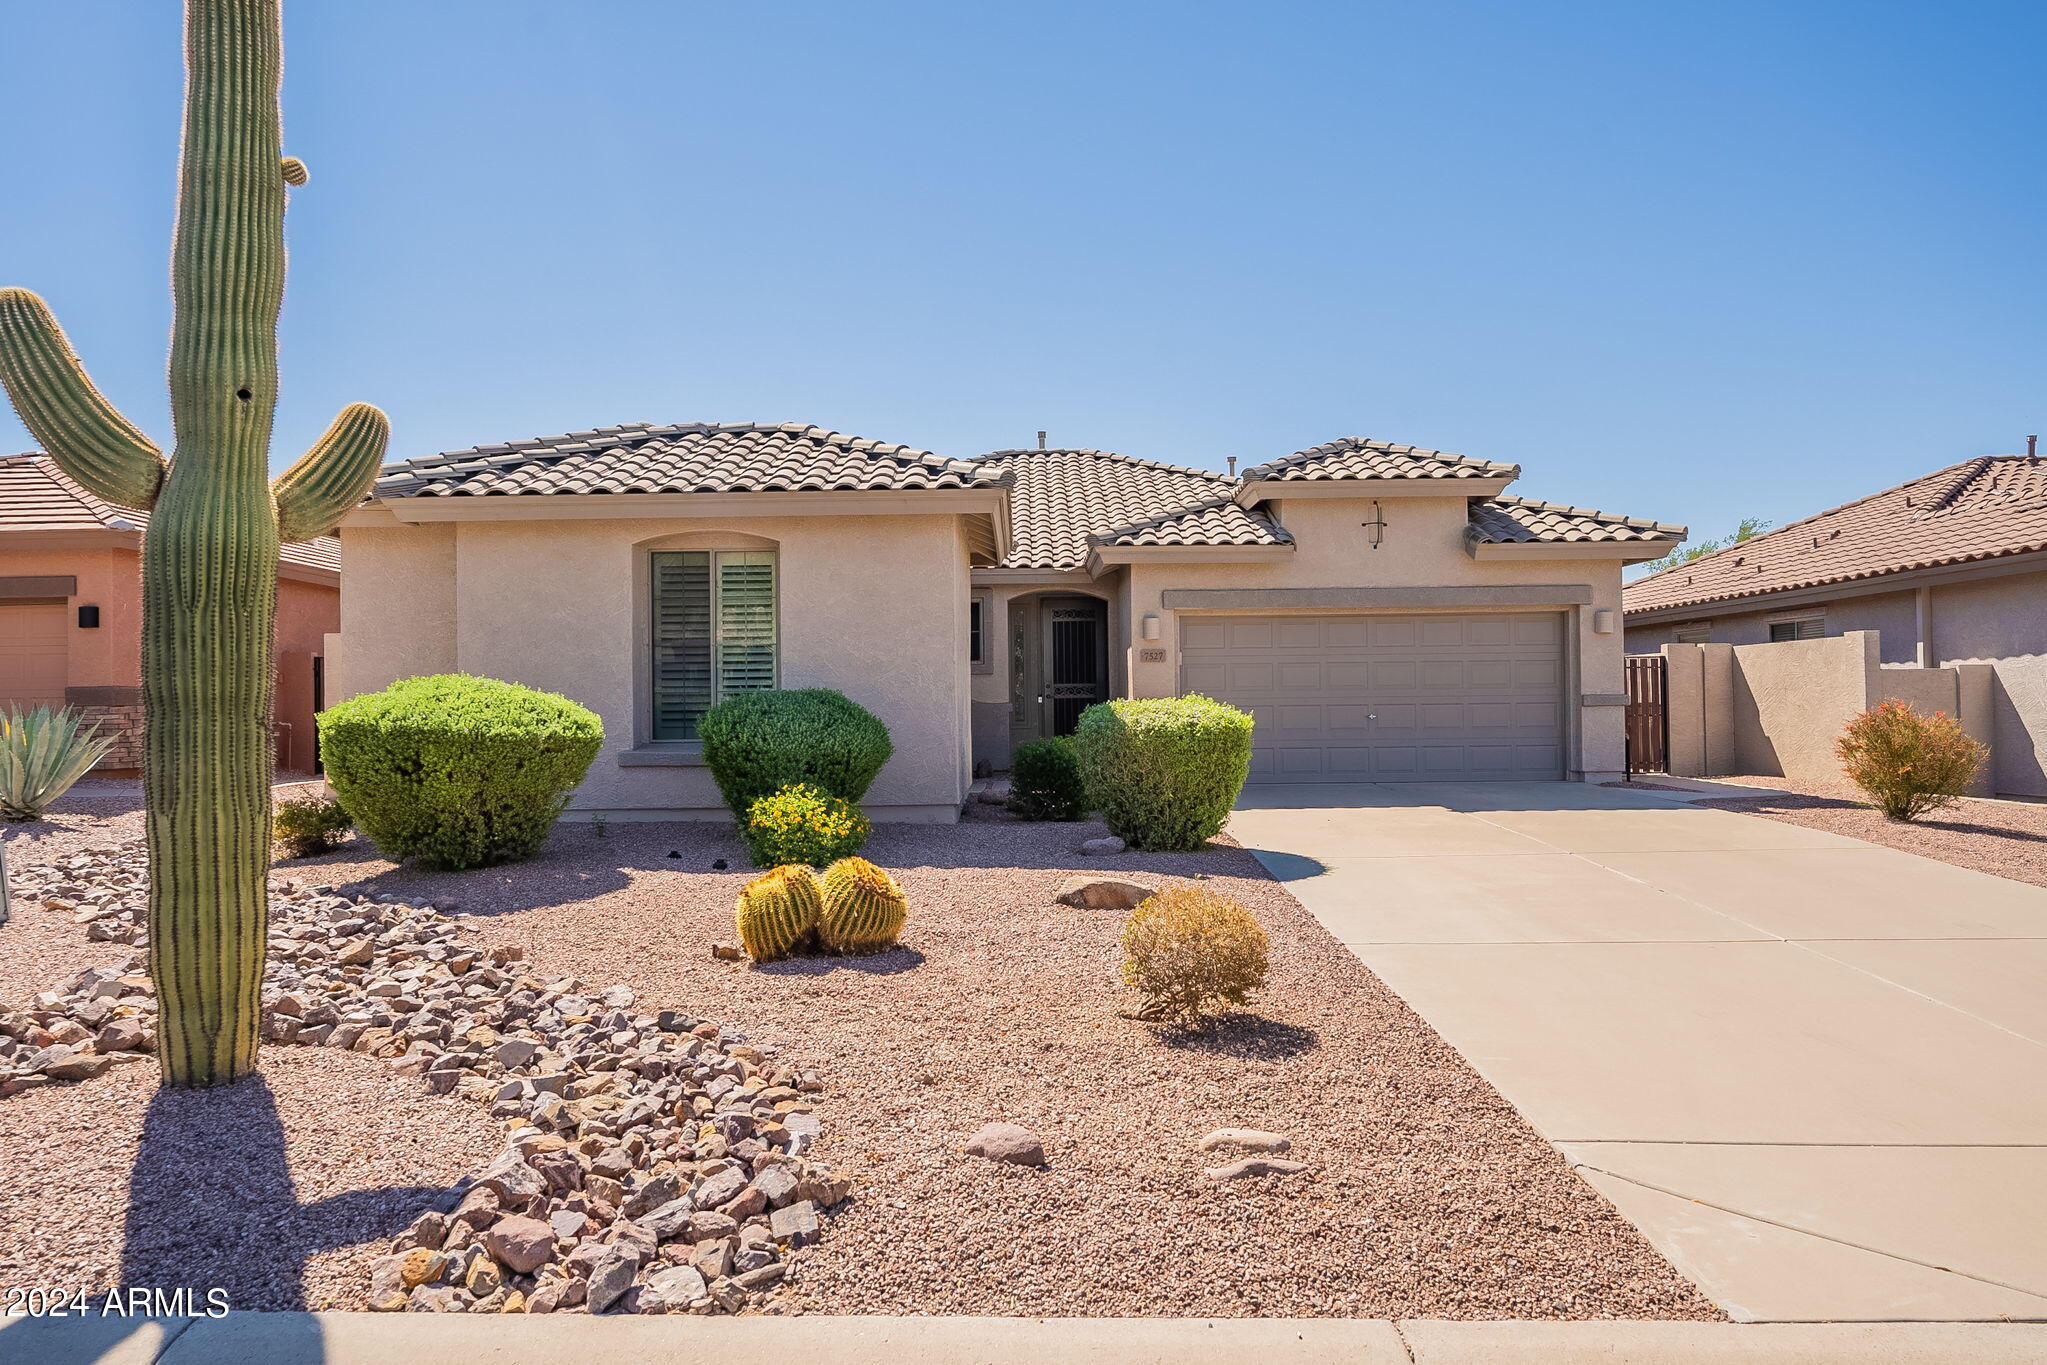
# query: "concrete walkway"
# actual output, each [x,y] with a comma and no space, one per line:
[458,1339]
[1812,1070]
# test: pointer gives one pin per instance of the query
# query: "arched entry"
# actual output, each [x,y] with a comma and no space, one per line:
[1058,663]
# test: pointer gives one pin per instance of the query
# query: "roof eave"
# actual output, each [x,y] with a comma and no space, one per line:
[1102,557]
[1251,492]
[1860,585]
[1627,551]
[989,501]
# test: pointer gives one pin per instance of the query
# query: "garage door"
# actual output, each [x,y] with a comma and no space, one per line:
[1388,698]
[32,654]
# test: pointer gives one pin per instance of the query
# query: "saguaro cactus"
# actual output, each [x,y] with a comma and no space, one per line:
[209,555]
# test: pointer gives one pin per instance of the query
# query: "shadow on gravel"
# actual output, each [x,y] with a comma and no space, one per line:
[891,963]
[212,1205]
[1245,1036]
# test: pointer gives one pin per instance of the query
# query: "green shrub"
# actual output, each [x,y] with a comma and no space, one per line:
[1188,950]
[757,743]
[42,752]
[803,824]
[1906,762]
[309,826]
[1044,781]
[454,771]
[1163,771]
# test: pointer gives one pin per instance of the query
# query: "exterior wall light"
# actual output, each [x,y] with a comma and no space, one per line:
[1151,627]
[1602,621]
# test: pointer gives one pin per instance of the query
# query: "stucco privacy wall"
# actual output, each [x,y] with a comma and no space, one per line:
[2001,624]
[1775,710]
[874,606]
[1892,614]
[1422,546]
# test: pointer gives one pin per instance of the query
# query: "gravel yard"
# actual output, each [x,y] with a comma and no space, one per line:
[1428,1195]
[279,1189]
[2003,838]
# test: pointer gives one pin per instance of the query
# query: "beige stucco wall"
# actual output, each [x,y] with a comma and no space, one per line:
[874,606]
[1422,546]
[1995,621]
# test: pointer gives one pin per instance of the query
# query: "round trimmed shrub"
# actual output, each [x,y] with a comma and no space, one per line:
[1044,781]
[1163,771]
[757,743]
[803,824]
[454,771]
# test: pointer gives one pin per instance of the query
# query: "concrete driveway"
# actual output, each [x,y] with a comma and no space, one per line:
[1812,1070]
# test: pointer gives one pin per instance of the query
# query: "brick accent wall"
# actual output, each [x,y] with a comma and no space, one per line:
[123,725]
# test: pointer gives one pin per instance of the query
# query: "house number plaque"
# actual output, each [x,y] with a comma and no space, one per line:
[1151,656]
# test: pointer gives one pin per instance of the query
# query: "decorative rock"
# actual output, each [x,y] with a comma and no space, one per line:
[387,1286]
[124,1035]
[611,1274]
[1007,1142]
[677,1287]
[76,1066]
[728,952]
[1096,848]
[796,1225]
[778,1184]
[522,1244]
[1243,1140]
[1102,893]
[1256,1165]
[720,1189]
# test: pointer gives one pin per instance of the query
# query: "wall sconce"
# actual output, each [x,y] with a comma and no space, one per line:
[1151,627]
[1602,621]
[1376,527]
[88,618]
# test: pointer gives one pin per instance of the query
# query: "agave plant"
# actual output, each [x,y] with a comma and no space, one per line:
[42,752]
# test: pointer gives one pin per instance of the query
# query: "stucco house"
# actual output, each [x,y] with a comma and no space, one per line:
[71,612]
[1387,613]
[1947,572]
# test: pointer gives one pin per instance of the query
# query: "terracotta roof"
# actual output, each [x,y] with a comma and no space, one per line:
[1983,508]
[1507,520]
[35,495]
[1064,502]
[1354,457]
[695,457]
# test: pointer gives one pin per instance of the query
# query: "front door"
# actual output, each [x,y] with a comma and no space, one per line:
[1059,663]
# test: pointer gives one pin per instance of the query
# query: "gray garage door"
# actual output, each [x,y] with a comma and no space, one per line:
[1388,698]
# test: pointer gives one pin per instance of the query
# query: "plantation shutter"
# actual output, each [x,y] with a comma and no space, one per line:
[746,622]
[713,633]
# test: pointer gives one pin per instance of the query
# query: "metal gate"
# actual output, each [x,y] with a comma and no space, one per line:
[1648,714]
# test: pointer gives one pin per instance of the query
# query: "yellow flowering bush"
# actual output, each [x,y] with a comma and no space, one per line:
[803,824]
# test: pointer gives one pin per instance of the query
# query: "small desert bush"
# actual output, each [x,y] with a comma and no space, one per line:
[1189,951]
[803,824]
[309,826]
[455,771]
[1163,771]
[1044,781]
[757,743]
[42,752]
[1906,762]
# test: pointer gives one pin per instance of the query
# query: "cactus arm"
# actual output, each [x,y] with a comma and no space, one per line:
[295,172]
[331,477]
[82,431]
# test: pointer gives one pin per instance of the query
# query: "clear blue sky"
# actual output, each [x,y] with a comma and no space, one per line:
[1693,262]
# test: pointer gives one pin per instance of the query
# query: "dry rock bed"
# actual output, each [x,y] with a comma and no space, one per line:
[631,1160]
[1421,1192]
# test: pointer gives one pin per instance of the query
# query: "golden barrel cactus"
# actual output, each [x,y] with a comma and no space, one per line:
[864,909]
[778,911]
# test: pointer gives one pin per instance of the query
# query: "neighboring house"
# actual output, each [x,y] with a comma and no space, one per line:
[71,612]
[1388,613]
[1948,571]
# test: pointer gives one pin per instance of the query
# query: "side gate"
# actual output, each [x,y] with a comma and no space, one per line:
[1648,723]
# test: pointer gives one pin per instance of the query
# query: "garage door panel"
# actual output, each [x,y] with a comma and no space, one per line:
[1388,698]
[34,654]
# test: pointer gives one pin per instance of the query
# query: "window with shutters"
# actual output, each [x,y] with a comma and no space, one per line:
[1692,632]
[1813,627]
[714,633]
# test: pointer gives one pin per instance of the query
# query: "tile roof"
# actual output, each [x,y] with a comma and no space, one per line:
[1979,509]
[1064,502]
[35,495]
[694,457]
[1354,457]
[1508,520]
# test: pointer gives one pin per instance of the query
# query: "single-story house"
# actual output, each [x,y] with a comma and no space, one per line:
[1948,571]
[1387,613]
[71,612]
